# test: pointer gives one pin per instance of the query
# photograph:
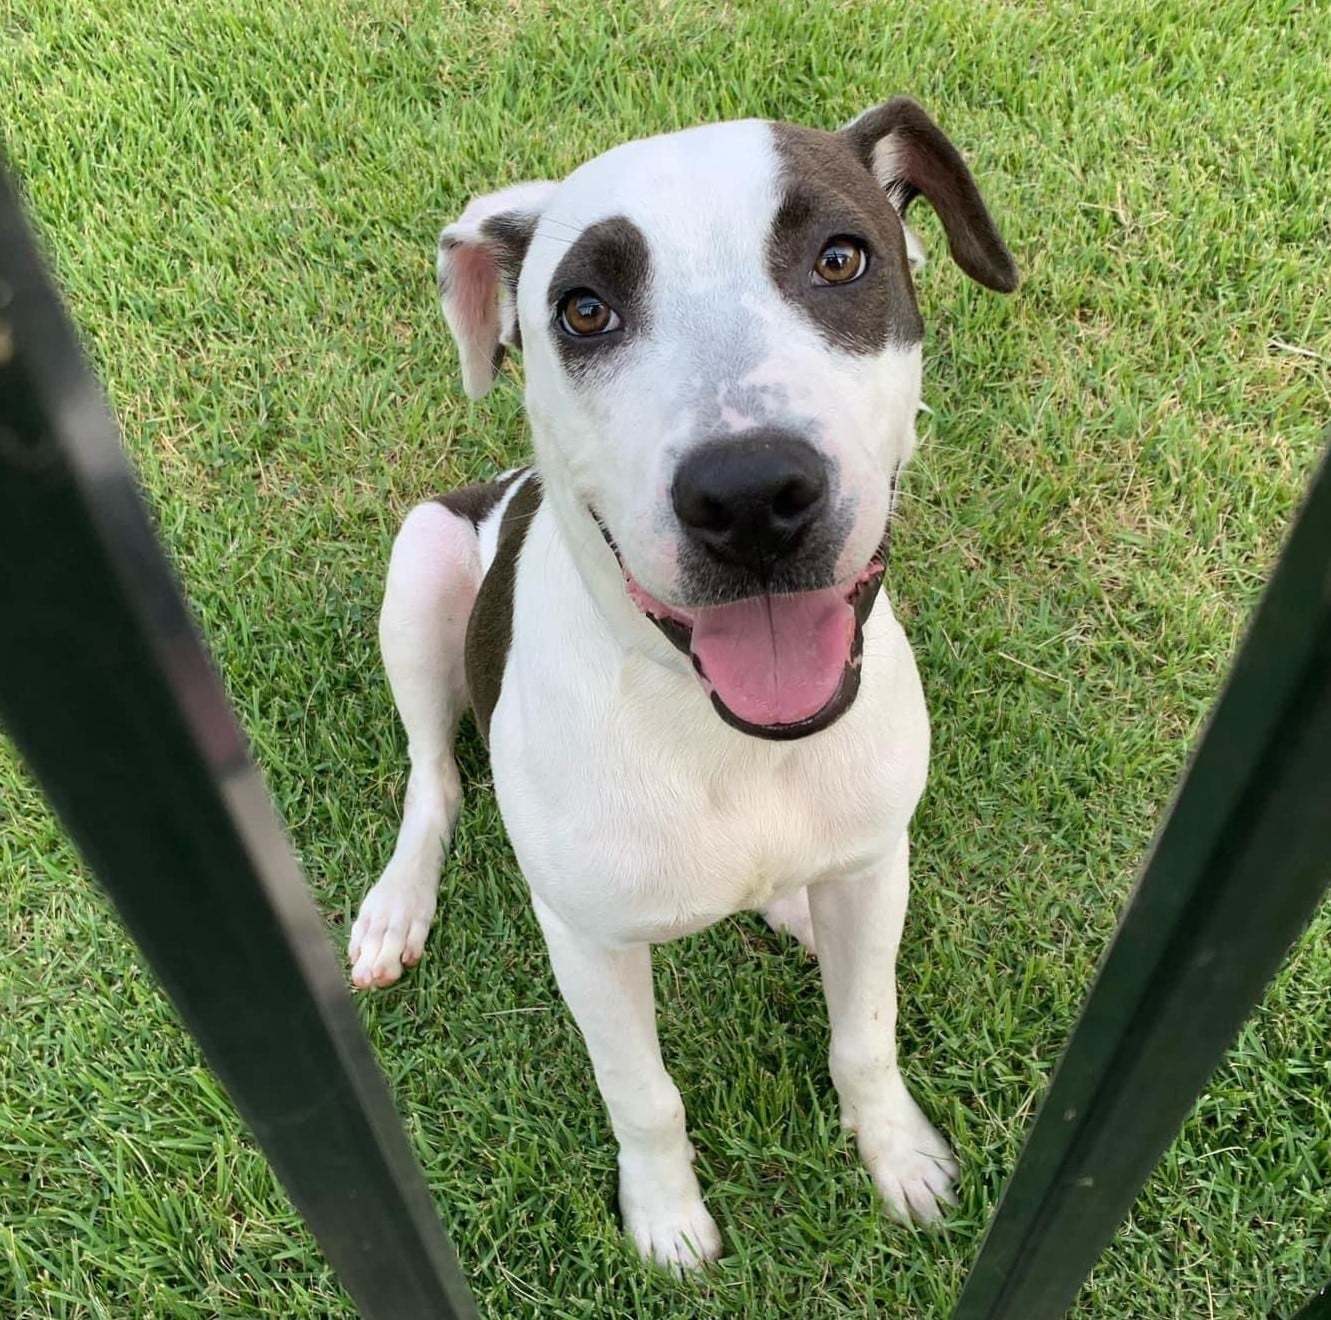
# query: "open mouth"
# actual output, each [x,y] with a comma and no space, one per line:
[775,666]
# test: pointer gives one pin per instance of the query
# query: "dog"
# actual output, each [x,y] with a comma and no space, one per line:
[670,630]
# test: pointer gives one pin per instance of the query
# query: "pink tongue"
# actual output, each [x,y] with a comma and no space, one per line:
[776,659]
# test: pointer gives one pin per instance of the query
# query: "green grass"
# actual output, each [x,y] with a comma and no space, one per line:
[241,201]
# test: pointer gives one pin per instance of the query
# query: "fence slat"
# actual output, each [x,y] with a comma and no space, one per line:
[1319,1306]
[110,697]
[1237,869]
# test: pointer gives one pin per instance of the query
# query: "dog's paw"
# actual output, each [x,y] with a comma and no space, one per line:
[677,1236]
[389,933]
[911,1165]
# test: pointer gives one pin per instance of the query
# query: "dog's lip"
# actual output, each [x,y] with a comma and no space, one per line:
[677,627]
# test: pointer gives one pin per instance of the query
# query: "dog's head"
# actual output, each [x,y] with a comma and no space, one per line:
[722,351]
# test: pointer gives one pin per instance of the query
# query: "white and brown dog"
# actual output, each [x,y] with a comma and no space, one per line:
[670,628]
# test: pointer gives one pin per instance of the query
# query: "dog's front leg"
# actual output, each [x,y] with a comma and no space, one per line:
[433,577]
[857,921]
[609,991]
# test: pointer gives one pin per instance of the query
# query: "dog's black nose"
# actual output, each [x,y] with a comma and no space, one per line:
[750,498]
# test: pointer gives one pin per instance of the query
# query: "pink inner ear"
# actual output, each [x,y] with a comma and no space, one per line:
[475,289]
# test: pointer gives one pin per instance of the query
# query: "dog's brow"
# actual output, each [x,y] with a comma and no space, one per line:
[575,231]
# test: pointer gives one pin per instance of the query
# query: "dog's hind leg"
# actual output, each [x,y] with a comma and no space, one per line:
[433,577]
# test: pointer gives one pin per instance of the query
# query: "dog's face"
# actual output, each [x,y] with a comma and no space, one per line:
[722,352]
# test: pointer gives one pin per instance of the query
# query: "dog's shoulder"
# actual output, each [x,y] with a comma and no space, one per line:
[478,501]
[490,628]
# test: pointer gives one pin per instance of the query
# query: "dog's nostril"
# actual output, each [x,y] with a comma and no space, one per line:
[711,514]
[699,510]
[796,495]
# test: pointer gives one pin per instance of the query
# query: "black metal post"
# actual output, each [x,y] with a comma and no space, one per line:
[1319,1306]
[110,697]
[1237,869]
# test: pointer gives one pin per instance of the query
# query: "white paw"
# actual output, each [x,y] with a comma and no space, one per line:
[390,931]
[676,1232]
[910,1163]
[790,916]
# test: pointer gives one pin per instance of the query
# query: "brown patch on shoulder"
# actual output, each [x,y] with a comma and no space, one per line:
[828,193]
[490,628]
[477,501]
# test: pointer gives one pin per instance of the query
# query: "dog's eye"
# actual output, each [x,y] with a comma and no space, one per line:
[842,260]
[584,313]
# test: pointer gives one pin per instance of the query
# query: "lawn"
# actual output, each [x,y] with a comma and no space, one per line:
[241,200]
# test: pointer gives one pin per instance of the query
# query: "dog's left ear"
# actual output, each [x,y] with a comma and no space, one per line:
[910,156]
[480,257]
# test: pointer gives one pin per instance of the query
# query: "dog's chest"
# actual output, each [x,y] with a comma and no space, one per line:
[761,835]
[649,853]
[648,819]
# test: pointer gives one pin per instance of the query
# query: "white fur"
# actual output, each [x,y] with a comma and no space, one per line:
[636,814]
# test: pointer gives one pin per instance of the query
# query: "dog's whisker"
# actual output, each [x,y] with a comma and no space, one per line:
[554,220]
[555,238]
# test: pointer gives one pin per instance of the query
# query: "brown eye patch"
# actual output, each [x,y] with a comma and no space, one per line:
[854,287]
[607,264]
[842,261]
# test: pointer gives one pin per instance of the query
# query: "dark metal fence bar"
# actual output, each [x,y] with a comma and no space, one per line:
[1319,1306]
[1237,869]
[110,697]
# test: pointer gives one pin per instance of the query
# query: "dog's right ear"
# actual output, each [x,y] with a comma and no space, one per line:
[480,256]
